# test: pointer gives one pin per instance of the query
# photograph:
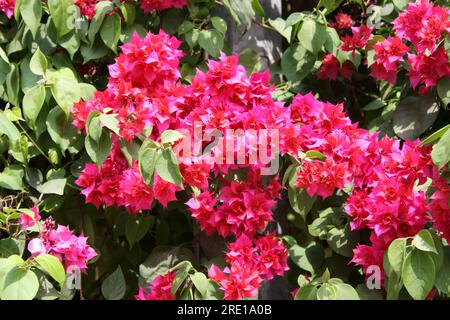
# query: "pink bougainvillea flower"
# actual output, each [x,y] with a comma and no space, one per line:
[331,67]
[423,24]
[358,40]
[73,251]
[164,191]
[272,258]
[87,7]
[36,247]
[151,5]
[389,52]
[7,7]
[440,208]
[149,63]
[159,289]
[427,70]
[343,21]
[135,195]
[379,72]
[251,262]
[237,282]
[26,221]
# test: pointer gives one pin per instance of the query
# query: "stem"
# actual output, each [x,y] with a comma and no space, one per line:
[72,186]
[264,25]
[36,144]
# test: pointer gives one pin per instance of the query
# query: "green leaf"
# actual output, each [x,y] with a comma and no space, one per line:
[110,122]
[61,130]
[6,265]
[97,51]
[211,41]
[102,8]
[33,101]
[395,255]
[63,14]
[136,228]
[192,38]
[424,241]
[182,272]
[19,284]
[294,18]
[31,12]
[65,88]
[172,19]
[200,282]
[400,4]
[441,151]
[258,8]
[98,152]
[251,60]
[447,44]
[128,12]
[279,24]
[162,259]
[233,13]
[312,35]
[307,292]
[371,57]
[114,286]
[342,241]
[332,41]
[310,258]
[443,90]
[52,203]
[52,266]
[414,115]
[54,186]
[15,139]
[130,150]
[13,85]
[110,31]
[219,24]
[326,292]
[28,79]
[5,66]
[171,136]
[87,91]
[168,169]
[436,135]
[9,247]
[327,220]
[300,201]
[185,27]
[297,63]
[443,276]
[244,10]
[368,294]
[353,57]
[12,178]
[93,126]
[374,105]
[71,42]
[330,5]
[345,291]
[148,158]
[315,155]
[418,274]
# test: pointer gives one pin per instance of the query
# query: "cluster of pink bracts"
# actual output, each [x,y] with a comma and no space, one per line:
[87,7]
[420,29]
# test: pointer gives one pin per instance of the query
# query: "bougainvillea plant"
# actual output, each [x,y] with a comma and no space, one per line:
[142,159]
